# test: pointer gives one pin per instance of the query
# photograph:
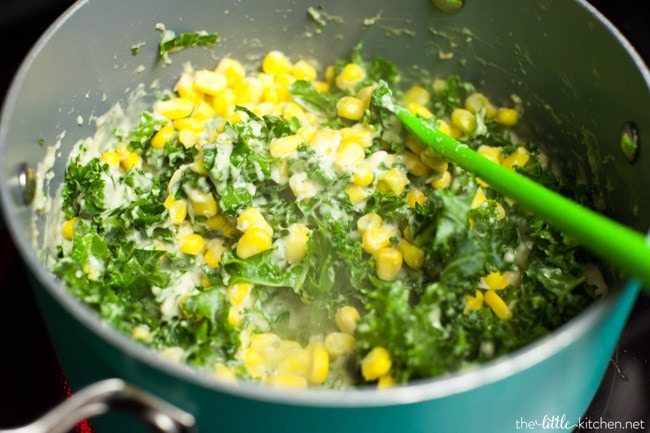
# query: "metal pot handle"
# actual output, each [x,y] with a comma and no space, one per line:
[104,396]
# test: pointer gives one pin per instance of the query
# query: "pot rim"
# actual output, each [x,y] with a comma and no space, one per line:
[455,383]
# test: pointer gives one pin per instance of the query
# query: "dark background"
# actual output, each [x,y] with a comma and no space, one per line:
[30,378]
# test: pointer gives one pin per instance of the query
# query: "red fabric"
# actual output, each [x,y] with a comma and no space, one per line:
[83,426]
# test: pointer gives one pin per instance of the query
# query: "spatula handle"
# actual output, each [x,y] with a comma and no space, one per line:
[617,244]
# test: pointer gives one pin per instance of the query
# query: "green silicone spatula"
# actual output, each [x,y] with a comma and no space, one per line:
[615,243]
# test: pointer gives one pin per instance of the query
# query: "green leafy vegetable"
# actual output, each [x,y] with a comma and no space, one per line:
[127,254]
[171,42]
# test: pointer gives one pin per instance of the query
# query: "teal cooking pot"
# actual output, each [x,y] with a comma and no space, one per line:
[583,88]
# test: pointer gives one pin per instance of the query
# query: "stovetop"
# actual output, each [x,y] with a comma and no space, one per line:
[31,380]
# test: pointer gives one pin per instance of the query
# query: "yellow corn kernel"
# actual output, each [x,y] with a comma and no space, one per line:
[296,245]
[291,109]
[284,81]
[478,199]
[68,227]
[348,155]
[368,221]
[386,381]
[185,88]
[238,116]
[223,372]
[414,144]
[388,263]
[249,91]
[320,363]
[495,281]
[187,138]
[302,70]
[283,147]
[232,69]
[473,303]
[209,82]
[325,142]
[329,74]
[267,108]
[286,381]
[213,251]
[234,317]
[443,181]
[478,101]
[203,204]
[490,152]
[419,110]
[518,158]
[276,63]
[174,108]
[501,212]
[415,197]
[339,343]
[321,86]
[254,363]
[446,129]
[295,362]
[260,343]
[237,293]
[376,363]
[433,160]
[498,306]
[141,332]
[131,160]
[221,223]
[272,99]
[177,209]
[197,165]
[507,116]
[351,75]
[192,243]
[417,95]
[408,233]
[283,350]
[302,187]
[394,180]
[122,150]
[346,319]
[464,120]
[413,256]
[454,131]
[358,133]
[189,123]
[365,95]
[375,238]
[111,157]
[268,83]
[350,108]
[224,103]
[160,138]
[252,217]
[439,86]
[205,281]
[414,165]
[254,241]
[362,174]
[203,111]
[356,193]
